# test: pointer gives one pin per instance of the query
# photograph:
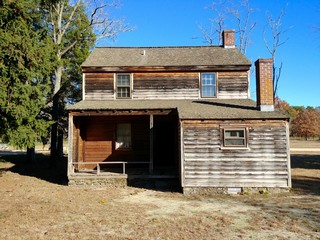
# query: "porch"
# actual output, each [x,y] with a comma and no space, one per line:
[146,149]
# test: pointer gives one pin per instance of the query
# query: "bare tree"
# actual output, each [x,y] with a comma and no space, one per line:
[227,10]
[93,21]
[213,35]
[244,26]
[99,20]
[274,28]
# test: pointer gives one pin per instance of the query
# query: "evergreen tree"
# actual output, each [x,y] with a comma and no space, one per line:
[74,26]
[25,60]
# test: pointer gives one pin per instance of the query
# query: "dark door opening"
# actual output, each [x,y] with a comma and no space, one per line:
[165,143]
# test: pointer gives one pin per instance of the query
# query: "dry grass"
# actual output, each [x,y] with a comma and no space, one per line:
[35,204]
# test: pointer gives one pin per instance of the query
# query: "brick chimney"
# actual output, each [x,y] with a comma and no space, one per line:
[228,39]
[264,76]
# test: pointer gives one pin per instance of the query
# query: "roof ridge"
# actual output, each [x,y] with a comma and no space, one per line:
[135,47]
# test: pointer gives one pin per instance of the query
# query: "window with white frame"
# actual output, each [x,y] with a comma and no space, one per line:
[123,136]
[208,85]
[235,137]
[123,85]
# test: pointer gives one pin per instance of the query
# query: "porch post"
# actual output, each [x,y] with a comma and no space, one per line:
[151,144]
[70,145]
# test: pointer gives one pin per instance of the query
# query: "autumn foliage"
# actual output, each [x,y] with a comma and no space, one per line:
[305,122]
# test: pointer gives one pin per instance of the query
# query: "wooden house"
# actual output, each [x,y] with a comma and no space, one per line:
[186,110]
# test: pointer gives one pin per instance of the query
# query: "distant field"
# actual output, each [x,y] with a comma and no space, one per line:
[305,144]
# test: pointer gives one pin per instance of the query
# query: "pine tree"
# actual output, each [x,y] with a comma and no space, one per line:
[26,61]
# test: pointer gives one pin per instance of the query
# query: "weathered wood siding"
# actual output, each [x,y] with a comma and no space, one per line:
[95,141]
[233,85]
[263,164]
[167,85]
[99,86]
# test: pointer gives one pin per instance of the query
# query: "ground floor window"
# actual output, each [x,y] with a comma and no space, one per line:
[234,137]
[123,136]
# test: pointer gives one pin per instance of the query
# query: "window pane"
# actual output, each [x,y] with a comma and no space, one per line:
[208,84]
[123,138]
[234,142]
[208,91]
[123,92]
[123,80]
[208,79]
[234,137]
[234,133]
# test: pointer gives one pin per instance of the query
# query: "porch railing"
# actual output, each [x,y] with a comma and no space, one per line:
[74,164]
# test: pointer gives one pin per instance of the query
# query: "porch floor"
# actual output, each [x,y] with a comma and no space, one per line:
[162,172]
[166,179]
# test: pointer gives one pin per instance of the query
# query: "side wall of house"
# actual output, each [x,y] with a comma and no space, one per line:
[166,85]
[264,163]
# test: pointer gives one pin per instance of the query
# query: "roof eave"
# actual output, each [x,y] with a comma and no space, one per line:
[202,68]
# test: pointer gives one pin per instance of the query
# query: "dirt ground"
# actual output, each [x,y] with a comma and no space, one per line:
[35,203]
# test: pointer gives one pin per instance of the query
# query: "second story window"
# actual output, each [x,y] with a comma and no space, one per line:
[208,85]
[123,86]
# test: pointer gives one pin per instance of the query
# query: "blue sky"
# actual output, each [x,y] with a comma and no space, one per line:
[175,23]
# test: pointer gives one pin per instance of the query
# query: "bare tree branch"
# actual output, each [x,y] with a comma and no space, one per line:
[242,15]
[224,10]
[276,32]
[217,23]
[274,25]
[66,26]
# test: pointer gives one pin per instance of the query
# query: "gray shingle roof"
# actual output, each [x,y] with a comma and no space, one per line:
[165,56]
[187,109]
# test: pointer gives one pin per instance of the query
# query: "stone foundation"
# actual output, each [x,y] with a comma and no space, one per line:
[225,190]
[98,181]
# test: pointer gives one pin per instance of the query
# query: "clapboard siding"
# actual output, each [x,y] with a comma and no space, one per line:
[233,85]
[168,85]
[99,86]
[98,144]
[263,164]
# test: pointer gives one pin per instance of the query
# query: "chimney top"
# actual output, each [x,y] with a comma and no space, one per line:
[228,39]
[264,77]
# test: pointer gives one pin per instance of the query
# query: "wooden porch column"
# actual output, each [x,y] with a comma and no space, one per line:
[151,144]
[70,144]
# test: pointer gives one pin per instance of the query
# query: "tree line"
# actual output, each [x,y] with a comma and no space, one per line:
[304,121]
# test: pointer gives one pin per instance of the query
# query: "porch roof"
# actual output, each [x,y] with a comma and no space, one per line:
[187,109]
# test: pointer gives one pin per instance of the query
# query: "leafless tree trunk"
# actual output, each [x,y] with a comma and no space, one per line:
[244,27]
[104,27]
[224,10]
[274,26]
[213,35]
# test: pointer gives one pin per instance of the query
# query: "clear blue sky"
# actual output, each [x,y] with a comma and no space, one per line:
[175,23]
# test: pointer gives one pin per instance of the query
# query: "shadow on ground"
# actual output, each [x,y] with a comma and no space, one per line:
[41,167]
[307,179]
[307,161]
[44,169]
[158,184]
